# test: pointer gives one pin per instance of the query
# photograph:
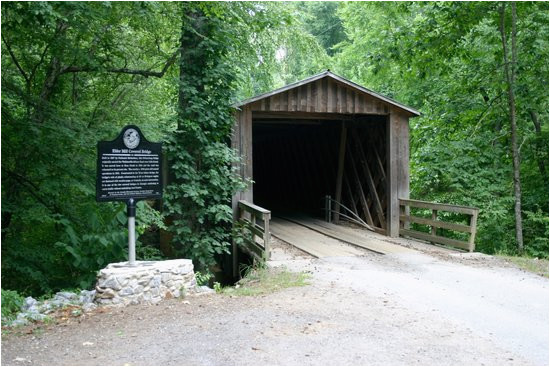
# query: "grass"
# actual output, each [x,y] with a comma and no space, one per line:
[260,281]
[533,265]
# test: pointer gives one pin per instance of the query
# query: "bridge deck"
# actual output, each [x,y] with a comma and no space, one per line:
[322,239]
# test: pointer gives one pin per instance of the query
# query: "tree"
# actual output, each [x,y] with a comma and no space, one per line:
[510,72]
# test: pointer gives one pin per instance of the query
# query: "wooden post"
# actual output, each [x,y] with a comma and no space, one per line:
[404,211]
[339,175]
[392,133]
[267,238]
[473,225]
[253,225]
[433,229]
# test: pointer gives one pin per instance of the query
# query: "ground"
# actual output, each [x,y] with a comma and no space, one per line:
[431,307]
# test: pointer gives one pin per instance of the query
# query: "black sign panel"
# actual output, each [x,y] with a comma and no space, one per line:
[129,167]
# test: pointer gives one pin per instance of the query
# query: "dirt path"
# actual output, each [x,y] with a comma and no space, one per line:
[404,309]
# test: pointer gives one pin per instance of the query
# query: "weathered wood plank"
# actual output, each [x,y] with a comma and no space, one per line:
[341,98]
[276,102]
[309,105]
[349,100]
[284,101]
[291,100]
[256,106]
[436,223]
[438,239]
[303,98]
[314,97]
[368,105]
[258,115]
[445,207]
[331,102]
[324,95]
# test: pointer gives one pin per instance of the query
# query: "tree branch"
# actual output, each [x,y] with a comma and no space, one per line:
[32,189]
[10,51]
[142,72]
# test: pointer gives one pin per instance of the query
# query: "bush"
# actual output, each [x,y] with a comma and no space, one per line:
[11,304]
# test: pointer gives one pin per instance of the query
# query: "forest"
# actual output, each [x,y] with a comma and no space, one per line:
[75,73]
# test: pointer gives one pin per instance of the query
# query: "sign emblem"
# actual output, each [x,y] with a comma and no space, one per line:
[129,167]
[131,138]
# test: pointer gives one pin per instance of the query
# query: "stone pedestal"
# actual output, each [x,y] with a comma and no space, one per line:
[146,282]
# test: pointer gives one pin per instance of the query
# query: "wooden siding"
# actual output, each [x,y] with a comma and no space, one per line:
[325,95]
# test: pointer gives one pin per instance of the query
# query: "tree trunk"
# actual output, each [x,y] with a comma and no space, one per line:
[510,73]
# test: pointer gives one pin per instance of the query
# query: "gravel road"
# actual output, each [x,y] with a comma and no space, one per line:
[402,309]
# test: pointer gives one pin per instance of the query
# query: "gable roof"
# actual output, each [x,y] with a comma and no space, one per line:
[338,78]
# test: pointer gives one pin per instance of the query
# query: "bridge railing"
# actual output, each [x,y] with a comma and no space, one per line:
[435,223]
[254,222]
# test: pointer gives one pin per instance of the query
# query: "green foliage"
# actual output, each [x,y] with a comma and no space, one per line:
[60,96]
[202,164]
[203,278]
[11,304]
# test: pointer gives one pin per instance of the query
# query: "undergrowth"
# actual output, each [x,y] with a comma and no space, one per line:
[261,280]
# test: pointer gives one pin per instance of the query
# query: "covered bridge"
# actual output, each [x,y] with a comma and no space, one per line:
[325,135]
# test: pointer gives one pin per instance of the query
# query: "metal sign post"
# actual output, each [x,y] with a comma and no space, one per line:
[131,211]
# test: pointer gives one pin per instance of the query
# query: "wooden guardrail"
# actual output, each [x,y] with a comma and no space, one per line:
[255,223]
[434,223]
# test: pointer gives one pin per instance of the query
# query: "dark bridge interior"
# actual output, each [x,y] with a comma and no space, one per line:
[295,164]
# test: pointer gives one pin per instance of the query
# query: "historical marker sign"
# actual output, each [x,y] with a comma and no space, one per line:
[129,167]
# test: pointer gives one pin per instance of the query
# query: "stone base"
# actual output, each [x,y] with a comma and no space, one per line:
[145,282]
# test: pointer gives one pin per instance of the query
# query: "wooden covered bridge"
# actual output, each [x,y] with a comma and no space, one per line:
[319,138]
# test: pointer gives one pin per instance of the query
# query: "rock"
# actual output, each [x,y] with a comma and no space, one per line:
[110,282]
[104,293]
[86,296]
[66,296]
[155,282]
[127,291]
[29,302]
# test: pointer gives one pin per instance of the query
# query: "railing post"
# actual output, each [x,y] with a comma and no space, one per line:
[329,210]
[433,229]
[267,238]
[473,226]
